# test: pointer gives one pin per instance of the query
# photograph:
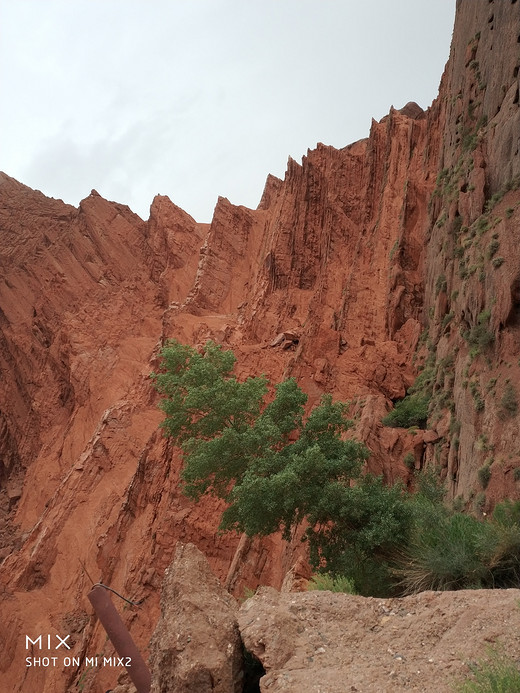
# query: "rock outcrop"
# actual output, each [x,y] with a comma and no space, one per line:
[196,647]
[397,251]
[320,642]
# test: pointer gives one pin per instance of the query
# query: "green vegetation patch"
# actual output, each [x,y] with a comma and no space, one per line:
[484,475]
[410,411]
[480,336]
[509,401]
[496,673]
[338,583]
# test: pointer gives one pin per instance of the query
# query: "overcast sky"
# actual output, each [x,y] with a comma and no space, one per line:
[199,98]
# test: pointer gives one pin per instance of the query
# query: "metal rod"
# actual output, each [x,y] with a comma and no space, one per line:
[120,638]
[128,601]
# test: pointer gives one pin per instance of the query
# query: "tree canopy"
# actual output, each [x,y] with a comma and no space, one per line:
[257,450]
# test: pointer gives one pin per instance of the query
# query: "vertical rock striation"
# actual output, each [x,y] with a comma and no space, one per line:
[472,263]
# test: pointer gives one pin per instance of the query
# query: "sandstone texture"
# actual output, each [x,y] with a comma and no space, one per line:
[361,266]
[472,265]
[320,642]
[196,647]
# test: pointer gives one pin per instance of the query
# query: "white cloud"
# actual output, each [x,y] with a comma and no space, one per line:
[200,98]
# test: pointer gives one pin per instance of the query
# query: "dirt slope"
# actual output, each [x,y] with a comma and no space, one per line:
[320,642]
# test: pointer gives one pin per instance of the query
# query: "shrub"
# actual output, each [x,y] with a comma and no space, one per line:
[509,401]
[456,226]
[410,411]
[482,225]
[484,475]
[504,553]
[458,504]
[332,583]
[447,318]
[507,513]
[482,444]
[477,397]
[493,201]
[429,486]
[492,248]
[371,520]
[491,384]
[248,593]
[480,336]
[455,426]
[444,553]
[441,284]
[469,141]
[452,550]
[409,460]
[480,502]
[497,262]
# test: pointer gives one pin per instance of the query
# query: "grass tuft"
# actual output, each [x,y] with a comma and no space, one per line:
[332,583]
[496,673]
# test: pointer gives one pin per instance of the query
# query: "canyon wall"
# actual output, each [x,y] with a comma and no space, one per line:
[472,263]
[363,265]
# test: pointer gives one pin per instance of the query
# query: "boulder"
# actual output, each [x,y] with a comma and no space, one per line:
[196,647]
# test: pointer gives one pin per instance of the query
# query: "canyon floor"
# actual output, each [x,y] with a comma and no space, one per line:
[320,642]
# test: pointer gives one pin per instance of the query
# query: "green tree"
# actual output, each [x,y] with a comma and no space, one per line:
[271,464]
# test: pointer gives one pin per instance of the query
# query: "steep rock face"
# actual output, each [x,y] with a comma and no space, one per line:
[347,258]
[174,239]
[329,241]
[80,320]
[334,256]
[472,263]
[100,497]
[481,86]
[228,258]
[90,487]
[343,266]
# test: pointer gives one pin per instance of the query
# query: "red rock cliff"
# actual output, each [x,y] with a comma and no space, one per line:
[472,262]
[353,255]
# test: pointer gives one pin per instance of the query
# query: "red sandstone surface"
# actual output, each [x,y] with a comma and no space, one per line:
[354,254]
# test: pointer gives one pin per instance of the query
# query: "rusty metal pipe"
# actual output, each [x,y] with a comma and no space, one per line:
[120,638]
